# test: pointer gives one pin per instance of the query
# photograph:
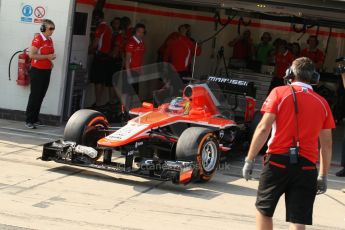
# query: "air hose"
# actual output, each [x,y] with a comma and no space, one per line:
[10,62]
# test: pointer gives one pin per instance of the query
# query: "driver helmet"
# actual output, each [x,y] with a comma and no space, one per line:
[178,105]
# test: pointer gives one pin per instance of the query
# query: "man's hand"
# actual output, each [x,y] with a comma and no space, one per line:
[321,185]
[248,169]
[51,56]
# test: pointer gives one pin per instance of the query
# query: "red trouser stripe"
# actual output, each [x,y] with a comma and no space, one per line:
[278,165]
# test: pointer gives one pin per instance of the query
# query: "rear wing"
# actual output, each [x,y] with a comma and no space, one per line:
[231,86]
[236,93]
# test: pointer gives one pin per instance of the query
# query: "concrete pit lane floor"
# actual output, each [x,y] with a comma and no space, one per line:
[46,195]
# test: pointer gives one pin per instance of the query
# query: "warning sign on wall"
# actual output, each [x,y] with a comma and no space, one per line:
[31,13]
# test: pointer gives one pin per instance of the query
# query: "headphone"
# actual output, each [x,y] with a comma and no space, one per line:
[44,24]
[313,36]
[268,34]
[290,76]
[43,27]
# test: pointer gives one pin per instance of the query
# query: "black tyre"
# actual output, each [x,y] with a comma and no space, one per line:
[201,146]
[84,127]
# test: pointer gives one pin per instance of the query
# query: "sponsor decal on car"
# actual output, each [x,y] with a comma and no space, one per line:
[127,131]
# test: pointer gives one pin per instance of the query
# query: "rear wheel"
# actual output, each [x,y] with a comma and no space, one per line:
[201,146]
[86,127]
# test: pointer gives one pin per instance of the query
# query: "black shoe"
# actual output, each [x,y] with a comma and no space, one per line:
[341,173]
[30,125]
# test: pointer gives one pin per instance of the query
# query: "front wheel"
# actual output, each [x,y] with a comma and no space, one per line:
[86,127]
[201,146]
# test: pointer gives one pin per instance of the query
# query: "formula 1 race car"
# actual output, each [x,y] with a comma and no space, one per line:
[179,140]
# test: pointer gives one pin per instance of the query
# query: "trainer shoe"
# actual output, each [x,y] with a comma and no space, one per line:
[341,173]
[38,124]
[30,125]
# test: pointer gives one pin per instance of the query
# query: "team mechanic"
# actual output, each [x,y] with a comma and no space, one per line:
[42,54]
[298,117]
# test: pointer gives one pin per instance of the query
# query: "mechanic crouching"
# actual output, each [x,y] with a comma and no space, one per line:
[290,163]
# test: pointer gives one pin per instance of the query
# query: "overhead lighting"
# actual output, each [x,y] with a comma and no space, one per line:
[261,5]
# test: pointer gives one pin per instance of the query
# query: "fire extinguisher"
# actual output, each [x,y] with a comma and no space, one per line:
[23,67]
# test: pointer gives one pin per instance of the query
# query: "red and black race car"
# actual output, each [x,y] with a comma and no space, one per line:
[180,140]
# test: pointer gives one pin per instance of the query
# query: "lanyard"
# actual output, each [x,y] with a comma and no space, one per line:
[296,140]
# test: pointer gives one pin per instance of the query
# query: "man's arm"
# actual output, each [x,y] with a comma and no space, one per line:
[343,77]
[33,54]
[325,151]
[261,134]
[95,43]
[128,60]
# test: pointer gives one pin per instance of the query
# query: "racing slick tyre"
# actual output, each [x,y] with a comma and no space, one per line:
[199,145]
[83,127]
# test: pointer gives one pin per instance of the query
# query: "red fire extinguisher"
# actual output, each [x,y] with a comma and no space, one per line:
[23,67]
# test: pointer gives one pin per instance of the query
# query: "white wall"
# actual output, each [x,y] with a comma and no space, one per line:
[80,43]
[16,35]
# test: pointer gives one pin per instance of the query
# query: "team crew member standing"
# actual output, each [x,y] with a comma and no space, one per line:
[101,69]
[264,48]
[314,53]
[126,32]
[242,46]
[288,111]
[42,53]
[283,60]
[180,51]
[135,48]
[173,36]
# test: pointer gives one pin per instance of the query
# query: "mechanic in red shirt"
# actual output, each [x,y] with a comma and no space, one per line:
[283,60]
[126,32]
[298,118]
[242,46]
[135,48]
[101,71]
[42,54]
[314,53]
[173,36]
[179,52]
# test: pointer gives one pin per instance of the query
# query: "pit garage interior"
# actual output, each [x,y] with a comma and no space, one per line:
[293,22]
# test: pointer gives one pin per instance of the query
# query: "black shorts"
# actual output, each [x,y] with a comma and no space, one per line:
[115,65]
[297,181]
[101,71]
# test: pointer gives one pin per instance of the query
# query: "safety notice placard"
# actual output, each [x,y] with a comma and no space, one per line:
[31,13]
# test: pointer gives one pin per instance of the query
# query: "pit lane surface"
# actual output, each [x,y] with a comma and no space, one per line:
[46,195]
